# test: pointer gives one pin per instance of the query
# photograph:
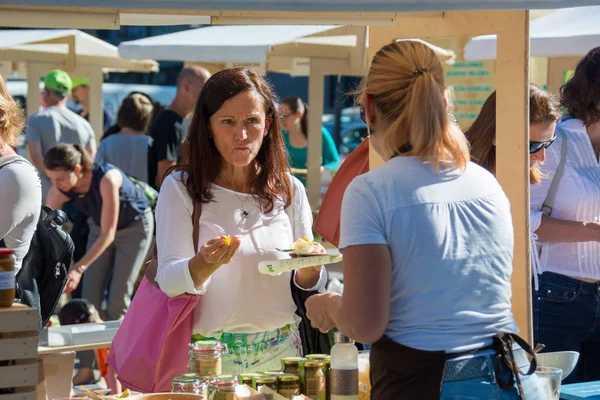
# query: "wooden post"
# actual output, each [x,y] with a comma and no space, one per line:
[512,144]
[96,114]
[316,87]
[34,73]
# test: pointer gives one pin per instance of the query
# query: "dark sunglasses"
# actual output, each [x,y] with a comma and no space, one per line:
[534,147]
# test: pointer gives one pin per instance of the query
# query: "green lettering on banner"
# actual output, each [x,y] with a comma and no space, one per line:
[479,73]
[456,73]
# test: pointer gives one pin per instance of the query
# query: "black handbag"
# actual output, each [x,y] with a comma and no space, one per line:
[313,340]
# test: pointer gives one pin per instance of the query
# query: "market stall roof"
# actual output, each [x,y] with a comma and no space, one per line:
[308,5]
[240,43]
[568,32]
[70,47]
[250,44]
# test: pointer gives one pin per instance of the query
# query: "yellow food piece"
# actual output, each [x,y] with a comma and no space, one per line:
[126,393]
[228,240]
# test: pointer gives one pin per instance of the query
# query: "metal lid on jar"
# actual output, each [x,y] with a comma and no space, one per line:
[274,373]
[293,360]
[187,378]
[249,375]
[314,363]
[266,379]
[316,356]
[5,252]
[207,345]
[289,378]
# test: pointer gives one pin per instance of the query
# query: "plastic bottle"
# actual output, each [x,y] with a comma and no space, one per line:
[344,369]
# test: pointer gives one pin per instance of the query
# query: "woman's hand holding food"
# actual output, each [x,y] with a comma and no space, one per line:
[309,277]
[212,255]
[220,250]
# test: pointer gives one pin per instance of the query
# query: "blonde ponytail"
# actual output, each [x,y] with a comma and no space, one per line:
[406,82]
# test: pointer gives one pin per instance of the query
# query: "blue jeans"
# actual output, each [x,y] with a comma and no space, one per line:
[458,386]
[566,316]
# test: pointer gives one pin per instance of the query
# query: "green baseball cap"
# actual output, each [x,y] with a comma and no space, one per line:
[58,81]
[77,81]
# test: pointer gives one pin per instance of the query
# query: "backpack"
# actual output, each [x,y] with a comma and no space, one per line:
[43,274]
[149,191]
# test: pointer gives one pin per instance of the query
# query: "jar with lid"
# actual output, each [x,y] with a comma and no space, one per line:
[269,381]
[205,357]
[223,387]
[190,383]
[289,386]
[319,357]
[7,277]
[294,366]
[249,379]
[315,380]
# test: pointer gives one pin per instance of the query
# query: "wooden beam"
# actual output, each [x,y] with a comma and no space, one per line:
[312,50]
[30,18]
[96,114]
[34,73]
[512,144]
[316,87]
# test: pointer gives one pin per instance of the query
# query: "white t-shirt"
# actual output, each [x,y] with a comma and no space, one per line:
[451,240]
[577,199]
[21,202]
[237,298]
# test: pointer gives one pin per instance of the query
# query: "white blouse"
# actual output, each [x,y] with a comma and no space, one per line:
[577,199]
[236,298]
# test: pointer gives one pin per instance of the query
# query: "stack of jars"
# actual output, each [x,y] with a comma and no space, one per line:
[205,373]
[307,376]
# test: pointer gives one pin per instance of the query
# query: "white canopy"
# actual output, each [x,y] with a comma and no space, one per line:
[240,44]
[68,46]
[568,32]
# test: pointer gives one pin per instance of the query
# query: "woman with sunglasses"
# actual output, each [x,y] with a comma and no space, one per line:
[565,305]
[544,112]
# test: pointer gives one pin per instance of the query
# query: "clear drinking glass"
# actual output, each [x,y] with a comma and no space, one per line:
[550,379]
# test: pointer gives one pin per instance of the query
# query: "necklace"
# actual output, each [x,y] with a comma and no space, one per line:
[244,212]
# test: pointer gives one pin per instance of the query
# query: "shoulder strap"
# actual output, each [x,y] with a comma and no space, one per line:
[196,223]
[551,197]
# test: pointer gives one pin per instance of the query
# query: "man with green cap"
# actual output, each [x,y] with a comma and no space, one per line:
[80,94]
[56,124]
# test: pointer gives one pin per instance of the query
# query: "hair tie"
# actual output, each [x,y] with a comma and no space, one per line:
[419,71]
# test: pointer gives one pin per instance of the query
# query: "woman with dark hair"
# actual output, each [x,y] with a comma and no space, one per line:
[565,303]
[234,165]
[544,112]
[121,225]
[294,119]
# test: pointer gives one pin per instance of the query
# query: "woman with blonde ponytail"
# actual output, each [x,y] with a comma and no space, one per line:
[427,241]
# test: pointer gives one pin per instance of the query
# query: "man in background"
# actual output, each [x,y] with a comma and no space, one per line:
[168,128]
[80,94]
[56,124]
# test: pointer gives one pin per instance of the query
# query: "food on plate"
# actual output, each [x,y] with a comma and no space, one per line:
[304,245]
[228,240]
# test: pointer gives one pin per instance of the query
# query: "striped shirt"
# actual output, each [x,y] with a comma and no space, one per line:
[577,199]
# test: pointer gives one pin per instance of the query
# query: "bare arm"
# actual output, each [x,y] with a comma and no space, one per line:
[109,190]
[162,168]
[34,151]
[362,313]
[558,230]
[55,198]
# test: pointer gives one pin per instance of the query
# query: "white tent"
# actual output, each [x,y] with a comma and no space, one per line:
[71,50]
[568,32]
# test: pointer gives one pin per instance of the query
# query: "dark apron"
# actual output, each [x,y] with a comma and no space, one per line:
[401,372]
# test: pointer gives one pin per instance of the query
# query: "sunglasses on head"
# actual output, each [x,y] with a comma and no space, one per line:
[534,147]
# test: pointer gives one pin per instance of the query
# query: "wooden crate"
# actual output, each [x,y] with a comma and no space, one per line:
[18,353]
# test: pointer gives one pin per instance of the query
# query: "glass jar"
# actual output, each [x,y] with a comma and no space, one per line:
[327,370]
[269,381]
[249,379]
[190,383]
[289,386]
[315,380]
[223,387]
[294,366]
[7,277]
[205,357]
